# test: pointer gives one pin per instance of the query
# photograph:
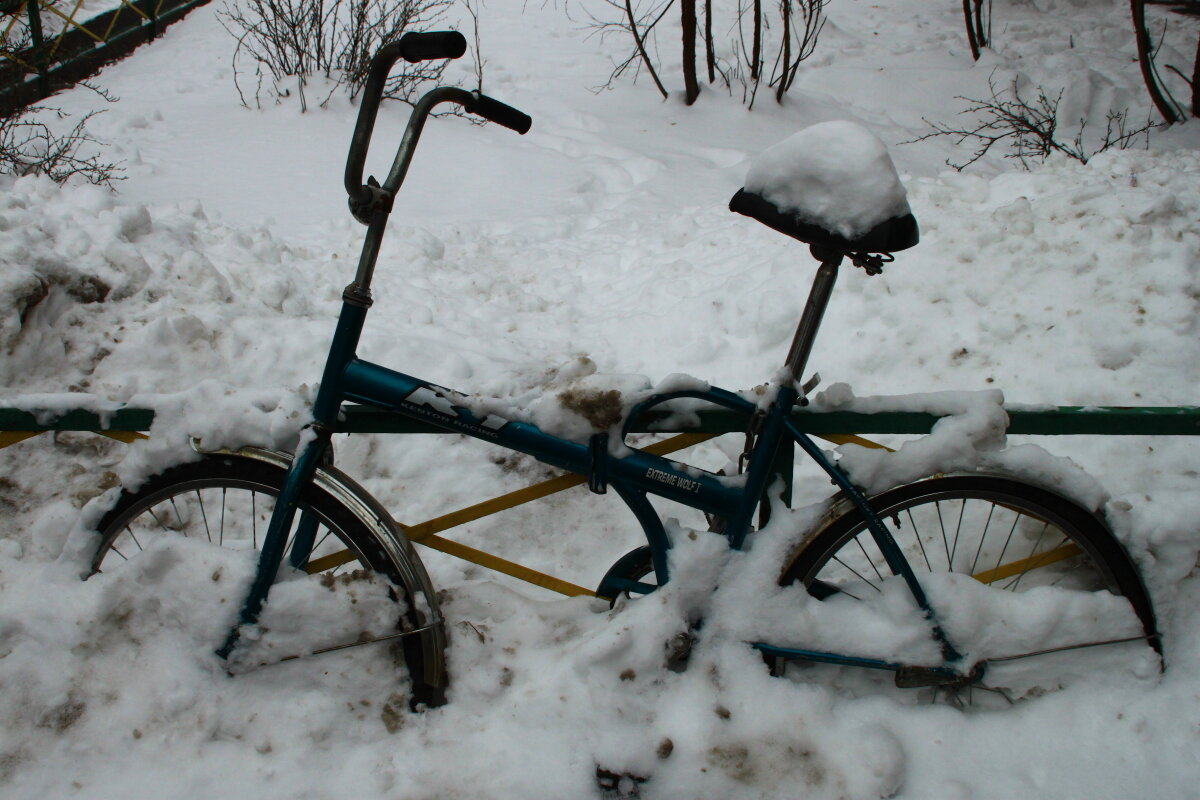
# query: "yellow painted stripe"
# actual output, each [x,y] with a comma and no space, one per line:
[70,23]
[423,532]
[12,437]
[1033,562]
[128,437]
[536,492]
[504,502]
[329,562]
[135,10]
[494,562]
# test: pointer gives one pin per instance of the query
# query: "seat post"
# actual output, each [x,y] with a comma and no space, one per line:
[814,310]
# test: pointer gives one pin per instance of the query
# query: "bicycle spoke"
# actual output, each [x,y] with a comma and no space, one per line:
[159,521]
[1007,541]
[918,537]
[1030,561]
[870,560]
[962,510]
[858,575]
[203,516]
[945,542]
[178,516]
[982,538]
[321,541]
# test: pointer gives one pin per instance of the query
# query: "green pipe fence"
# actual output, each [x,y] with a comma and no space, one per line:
[125,424]
[1046,421]
[35,63]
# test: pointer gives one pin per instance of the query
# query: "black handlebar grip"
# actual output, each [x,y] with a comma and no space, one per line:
[429,46]
[499,113]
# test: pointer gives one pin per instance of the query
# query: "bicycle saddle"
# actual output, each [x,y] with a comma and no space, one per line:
[833,186]
[889,236]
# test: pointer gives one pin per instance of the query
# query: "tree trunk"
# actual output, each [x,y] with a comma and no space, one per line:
[1196,81]
[710,53]
[980,33]
[785,8]
[691,87]
[970,29]
[1138,11]
[756,47]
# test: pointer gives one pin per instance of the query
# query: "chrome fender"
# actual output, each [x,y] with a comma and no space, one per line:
[389,533]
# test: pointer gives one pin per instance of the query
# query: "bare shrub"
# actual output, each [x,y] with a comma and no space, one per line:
[1029,129]
[28,146]
[769,41]
[335,39]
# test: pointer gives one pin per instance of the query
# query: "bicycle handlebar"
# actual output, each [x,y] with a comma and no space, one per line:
[412,47]
[499,113]
[416,47]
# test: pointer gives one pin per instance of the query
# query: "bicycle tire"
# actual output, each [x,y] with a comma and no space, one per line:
[204,498]
[1009,536]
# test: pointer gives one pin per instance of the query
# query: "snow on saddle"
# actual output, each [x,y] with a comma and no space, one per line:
[832,186]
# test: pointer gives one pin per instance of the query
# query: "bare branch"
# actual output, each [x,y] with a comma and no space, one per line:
[29,147]
[641,47]
[1029,129]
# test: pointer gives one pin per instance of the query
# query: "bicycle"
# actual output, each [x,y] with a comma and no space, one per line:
[1012,537]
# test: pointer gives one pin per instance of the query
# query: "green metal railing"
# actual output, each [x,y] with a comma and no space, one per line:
[44,47]
[1052,421]
[127,424]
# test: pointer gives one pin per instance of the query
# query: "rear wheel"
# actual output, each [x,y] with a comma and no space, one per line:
[355,585]
[1028,586]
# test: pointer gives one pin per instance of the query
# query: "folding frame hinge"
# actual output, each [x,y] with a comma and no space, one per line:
[598,455]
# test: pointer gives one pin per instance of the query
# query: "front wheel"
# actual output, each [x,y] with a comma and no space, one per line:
[1028,586]
[357,588]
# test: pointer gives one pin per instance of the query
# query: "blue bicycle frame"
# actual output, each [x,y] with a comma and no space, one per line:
[632,474]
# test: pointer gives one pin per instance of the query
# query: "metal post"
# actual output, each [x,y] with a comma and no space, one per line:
[38,49]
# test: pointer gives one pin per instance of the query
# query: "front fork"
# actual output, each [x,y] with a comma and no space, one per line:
[304,467]
[314,442]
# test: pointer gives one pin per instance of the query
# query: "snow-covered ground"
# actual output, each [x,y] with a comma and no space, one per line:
[598,242]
